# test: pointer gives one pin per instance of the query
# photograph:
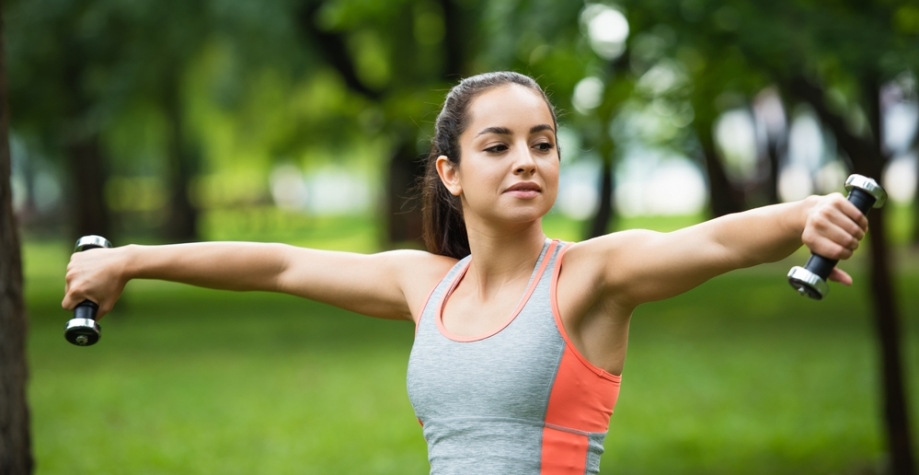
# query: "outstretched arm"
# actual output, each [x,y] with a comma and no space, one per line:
[385,285]
[643,266]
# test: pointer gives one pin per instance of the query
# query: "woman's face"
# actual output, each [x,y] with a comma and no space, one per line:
[508,171]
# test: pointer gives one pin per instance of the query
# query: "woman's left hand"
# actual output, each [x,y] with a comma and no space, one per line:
[833,229]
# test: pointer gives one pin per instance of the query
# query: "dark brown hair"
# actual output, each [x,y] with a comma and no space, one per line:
[444,227]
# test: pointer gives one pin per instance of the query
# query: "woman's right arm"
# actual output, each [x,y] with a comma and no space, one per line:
[386,285]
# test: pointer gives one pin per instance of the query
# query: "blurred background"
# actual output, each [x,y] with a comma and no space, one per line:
[303,121]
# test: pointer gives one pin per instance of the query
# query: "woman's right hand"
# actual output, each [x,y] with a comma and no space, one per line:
[97,275]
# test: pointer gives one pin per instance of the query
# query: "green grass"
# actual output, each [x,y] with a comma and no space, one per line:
[738,376]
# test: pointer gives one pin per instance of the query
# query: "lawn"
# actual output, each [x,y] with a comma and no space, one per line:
[738,376]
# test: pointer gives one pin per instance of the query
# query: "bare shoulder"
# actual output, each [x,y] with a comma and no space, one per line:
[418,272]
[421,265]
[607,264]
[595,256]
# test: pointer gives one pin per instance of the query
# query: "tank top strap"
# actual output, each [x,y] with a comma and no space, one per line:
[437,293]
[553,258]
[543,272]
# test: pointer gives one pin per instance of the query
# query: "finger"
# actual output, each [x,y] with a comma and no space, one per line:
[854,222]
[69,301]
[837,230]
[844,214]
[841,276]
[103,310]
[831,242]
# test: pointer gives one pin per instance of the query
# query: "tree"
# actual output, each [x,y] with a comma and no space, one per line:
[808,48]
[867,157]
[54,94]
[15,438]
[417,46]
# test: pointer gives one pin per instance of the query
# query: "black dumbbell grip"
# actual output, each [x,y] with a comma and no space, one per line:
[822,266]
[86,309]
[861,199]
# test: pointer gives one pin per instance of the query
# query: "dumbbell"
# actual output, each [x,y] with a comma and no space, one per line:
[810,280]
[82,329]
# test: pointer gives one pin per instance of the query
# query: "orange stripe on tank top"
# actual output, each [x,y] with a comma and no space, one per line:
[581,400]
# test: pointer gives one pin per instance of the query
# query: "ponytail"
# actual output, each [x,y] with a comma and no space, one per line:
[442,216]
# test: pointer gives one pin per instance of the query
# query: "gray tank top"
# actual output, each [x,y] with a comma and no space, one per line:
[521,400]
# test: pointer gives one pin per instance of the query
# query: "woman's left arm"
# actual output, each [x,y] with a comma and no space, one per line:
[643,266]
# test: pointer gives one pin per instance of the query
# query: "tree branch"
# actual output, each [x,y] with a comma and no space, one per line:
[861,152]
[332,48]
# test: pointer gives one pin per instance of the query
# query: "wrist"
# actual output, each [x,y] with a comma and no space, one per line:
[129,262]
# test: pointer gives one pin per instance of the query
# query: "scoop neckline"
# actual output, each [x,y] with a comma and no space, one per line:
[538,270]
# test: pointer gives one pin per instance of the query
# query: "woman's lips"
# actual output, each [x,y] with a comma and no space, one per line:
[524,190]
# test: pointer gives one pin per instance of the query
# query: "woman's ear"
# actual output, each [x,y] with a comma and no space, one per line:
[449,175]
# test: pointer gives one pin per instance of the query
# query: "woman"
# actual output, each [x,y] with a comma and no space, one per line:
[517,357]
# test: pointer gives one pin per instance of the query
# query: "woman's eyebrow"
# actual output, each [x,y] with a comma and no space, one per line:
[506,131]
[495,130]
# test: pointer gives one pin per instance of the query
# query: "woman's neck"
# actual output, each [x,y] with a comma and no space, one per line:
[499,258]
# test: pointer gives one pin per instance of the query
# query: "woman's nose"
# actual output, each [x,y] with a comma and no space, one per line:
[525,162]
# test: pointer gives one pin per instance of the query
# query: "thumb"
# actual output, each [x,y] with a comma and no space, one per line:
[841,276]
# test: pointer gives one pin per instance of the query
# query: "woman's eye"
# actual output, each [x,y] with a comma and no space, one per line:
[544,146]
[496,148]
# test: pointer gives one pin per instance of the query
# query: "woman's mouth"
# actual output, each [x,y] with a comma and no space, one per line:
[524,190]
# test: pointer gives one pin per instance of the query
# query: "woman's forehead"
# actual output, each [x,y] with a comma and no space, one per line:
[509,106]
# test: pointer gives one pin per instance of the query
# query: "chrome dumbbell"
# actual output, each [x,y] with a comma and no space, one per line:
[82,329]
[810,280]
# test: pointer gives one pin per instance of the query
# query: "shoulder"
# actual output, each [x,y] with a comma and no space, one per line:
[414,261]
[418,272]
[608,262]
[600,252]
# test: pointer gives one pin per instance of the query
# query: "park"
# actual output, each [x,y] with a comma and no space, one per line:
[305,123]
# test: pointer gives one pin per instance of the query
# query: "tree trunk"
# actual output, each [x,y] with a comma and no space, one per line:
[868,159]
[887,316]
[88,172]
[85,160]
[915,237]
[403,206]
[772,183]
[182,223]
[722,196]
[455,38]
[15,439]
[887,325]
[601,221]
[775,133]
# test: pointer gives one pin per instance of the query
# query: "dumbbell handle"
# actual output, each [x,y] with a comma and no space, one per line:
[822,266]
[810,280]
[86,309]
[82,329]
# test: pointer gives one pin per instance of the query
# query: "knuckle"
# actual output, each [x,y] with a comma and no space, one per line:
[843,252]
